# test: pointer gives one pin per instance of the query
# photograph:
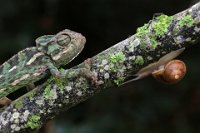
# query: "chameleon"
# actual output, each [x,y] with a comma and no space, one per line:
[34,63]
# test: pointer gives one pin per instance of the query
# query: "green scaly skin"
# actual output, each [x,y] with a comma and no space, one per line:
[34,63]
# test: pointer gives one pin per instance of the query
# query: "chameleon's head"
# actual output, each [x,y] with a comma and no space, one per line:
[62,47]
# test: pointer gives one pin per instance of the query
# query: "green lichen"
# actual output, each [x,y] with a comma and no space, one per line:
[186,21]
[84,86]
[139,60]
[47,92]
[117,58]
[143,45]
[119,80]
[33,122]
[50,80]
[159,26]
[19,104]
[154,43]
[162,24]
[31,94]
[142,31]
[116,61]
[60,84]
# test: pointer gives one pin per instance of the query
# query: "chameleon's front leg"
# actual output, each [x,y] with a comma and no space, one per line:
[84,70]
[55,71]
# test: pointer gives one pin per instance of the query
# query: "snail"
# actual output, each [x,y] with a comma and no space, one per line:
[153,67]
[170,73]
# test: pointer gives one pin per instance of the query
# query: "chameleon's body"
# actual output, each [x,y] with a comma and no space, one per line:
[34,63]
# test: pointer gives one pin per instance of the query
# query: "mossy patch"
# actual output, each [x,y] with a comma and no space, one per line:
[186,21]
[47,92]
[142,31]
[31,94]
[119,80]
[117,58]
[60,83]
[139,60]
[162,24]
[33,122]
[19,104]
[159,26]
[116,61]
[154,43]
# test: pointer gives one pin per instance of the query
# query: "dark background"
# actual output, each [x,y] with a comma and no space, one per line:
[144,106]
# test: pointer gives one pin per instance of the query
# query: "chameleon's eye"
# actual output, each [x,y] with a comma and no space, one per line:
[63,39]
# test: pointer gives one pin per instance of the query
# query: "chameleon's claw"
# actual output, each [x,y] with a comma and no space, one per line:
[89,74]
[60,75]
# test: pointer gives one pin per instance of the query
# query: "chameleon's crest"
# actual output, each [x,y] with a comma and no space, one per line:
[62,47]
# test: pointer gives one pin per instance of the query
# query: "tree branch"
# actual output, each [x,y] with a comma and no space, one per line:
[162,35]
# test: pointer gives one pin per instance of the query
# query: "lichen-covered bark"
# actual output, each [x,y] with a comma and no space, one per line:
[113,66]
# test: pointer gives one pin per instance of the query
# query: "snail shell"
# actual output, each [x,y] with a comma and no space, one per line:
[170,73]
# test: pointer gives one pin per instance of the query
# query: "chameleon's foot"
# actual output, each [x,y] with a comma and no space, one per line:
[88,74]
[83,71]
[60,74]
[4,101]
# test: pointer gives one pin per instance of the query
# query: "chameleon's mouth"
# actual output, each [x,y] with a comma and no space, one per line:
[59,55]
